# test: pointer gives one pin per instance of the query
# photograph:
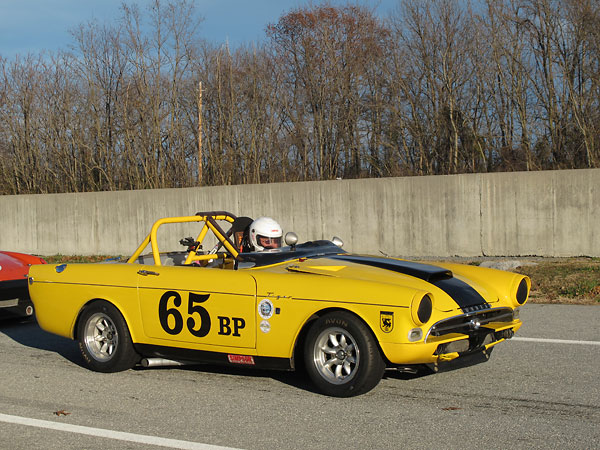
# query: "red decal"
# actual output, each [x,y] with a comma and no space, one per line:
[241,359]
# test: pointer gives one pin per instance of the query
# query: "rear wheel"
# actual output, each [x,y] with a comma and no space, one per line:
[341,355]
[104,339]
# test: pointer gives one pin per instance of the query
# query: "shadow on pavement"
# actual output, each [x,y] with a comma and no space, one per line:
[27,332]
[297,379]
[393,374]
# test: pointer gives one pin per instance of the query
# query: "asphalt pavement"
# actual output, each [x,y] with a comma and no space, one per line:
[540,390]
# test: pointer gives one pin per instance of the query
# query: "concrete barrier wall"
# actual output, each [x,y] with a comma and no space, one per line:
[553,213]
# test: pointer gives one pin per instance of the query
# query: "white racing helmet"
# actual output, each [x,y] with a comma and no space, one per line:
[265,233]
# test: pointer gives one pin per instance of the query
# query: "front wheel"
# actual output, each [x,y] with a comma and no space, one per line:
[104,339]
[341,355]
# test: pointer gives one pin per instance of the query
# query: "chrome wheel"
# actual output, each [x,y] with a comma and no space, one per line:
[341,355]
[101,337]
[336,355]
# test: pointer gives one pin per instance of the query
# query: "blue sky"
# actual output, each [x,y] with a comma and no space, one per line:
[30,26]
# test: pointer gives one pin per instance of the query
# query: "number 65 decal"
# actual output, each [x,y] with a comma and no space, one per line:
[164,312]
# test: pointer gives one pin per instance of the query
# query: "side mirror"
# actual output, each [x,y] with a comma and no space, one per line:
[291,239]
[337,241]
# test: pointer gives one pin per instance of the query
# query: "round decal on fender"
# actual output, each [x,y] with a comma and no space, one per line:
[265,326]
[265,308]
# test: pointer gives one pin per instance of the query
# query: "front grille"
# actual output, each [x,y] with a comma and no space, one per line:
[480,307]
[467,323]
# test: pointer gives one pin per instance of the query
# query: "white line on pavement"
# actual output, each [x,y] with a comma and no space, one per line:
[555,341]
[110,434]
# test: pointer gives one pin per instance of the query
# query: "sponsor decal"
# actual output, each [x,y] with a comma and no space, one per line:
[386,321]
[265,326]
[265,308]
[241,359]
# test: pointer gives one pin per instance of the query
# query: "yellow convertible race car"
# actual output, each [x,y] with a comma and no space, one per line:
[344,317]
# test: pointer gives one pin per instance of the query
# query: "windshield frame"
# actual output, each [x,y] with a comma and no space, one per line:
[310,249]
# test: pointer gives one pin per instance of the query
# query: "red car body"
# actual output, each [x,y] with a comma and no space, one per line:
[14,294]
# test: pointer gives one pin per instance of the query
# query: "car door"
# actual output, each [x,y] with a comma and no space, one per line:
[198,305]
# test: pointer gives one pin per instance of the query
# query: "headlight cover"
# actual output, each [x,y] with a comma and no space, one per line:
[421,308]
[522,292]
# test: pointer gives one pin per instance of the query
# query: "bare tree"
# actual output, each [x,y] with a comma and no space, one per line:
[438,87]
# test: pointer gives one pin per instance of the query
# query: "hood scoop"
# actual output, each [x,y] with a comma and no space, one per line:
[431,274]
[315,270]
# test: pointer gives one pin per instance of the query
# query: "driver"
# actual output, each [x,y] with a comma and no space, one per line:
[265,234]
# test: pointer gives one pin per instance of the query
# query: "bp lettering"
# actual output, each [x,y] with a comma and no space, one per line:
[227,328]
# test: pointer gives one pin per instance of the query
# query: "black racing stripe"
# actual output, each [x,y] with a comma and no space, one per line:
[464,295]
[423,271]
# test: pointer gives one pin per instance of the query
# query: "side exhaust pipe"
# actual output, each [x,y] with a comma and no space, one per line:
[160,362]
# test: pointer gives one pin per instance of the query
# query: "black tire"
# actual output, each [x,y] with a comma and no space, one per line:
[341,355]
[104,339]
